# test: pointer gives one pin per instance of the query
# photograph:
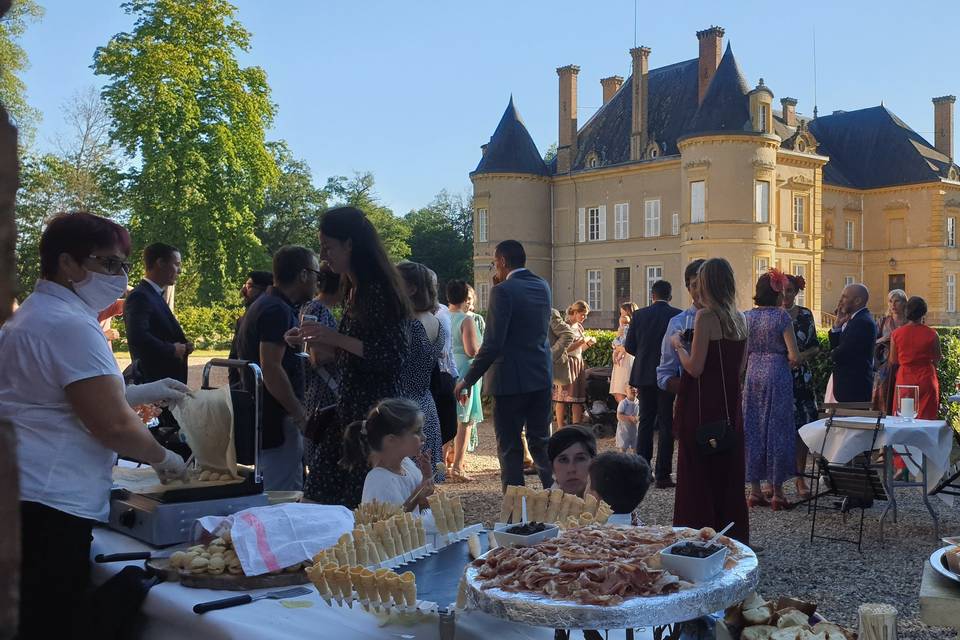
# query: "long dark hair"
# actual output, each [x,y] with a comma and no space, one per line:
[390,417]
[370,268]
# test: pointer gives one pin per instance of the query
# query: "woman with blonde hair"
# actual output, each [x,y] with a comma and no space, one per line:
[708,421]
[622,361]
[893,319]
[575,393]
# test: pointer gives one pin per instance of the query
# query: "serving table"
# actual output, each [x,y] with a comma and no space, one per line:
[167,613]
[931,438]
[939,600]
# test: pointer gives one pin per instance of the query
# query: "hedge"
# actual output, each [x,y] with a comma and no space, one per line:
[948,371]
[209,327]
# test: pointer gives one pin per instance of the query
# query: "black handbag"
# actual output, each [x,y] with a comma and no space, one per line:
[442,385]
[718,436]
[323,422]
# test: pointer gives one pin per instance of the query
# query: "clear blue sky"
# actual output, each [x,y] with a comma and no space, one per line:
[410,90]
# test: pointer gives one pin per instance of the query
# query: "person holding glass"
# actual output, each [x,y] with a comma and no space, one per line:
[467,331]
[575,393]
[914,354]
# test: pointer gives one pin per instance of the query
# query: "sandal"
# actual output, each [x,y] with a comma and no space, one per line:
[754,500]
[457,475]
[780,503]
[803,492]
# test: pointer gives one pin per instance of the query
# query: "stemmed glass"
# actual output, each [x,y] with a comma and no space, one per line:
[305,317]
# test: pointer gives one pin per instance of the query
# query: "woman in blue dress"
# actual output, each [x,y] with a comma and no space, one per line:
[467,330]
[768,422]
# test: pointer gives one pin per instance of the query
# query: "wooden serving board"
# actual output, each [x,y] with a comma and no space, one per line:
[229,582]
[163,568]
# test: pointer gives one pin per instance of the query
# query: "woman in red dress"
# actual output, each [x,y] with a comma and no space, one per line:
[710,485]
[914,353]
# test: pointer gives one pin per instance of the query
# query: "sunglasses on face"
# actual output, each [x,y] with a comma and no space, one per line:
[112,264]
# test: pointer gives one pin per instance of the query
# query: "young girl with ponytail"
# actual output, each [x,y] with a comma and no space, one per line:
[390,440]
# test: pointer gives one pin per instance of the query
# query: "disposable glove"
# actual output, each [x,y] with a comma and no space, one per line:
[170,468]
[163,392]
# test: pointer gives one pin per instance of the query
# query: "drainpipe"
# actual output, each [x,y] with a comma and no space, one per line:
[862,212]
[553,270]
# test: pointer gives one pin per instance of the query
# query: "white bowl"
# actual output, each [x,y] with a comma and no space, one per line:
[280,497]
[505,539]
[693,569]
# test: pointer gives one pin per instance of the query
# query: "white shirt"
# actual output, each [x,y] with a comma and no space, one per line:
[843,327]
[447,364]
[514,271]
[386,486]
[52,341]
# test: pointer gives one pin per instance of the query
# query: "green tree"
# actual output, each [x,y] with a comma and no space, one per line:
[13,62]
[292,207]
[358,192]
[195,118]
[441,237]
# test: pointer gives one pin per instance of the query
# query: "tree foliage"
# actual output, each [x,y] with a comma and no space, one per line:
[13,62]
[182,104]
[441,237]
[359,192]
[292,207]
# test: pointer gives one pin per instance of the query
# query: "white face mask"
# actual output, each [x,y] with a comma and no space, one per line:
[100,290]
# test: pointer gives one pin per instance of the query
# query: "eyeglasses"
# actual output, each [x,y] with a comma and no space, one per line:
[112,264]
[313,270]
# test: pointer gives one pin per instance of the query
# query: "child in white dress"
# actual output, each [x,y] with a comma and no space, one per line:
[391,435]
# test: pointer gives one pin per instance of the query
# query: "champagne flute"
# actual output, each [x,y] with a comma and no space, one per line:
[305,317]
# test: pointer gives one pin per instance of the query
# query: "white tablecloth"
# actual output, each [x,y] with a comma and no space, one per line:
[168,610]
[931,437]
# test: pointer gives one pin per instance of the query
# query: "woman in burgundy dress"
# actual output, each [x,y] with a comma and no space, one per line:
[710,485]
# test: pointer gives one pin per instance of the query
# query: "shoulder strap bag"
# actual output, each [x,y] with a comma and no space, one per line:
[718,436]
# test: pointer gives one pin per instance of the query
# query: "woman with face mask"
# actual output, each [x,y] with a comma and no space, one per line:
[62,390]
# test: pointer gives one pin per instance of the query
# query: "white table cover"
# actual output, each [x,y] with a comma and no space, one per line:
[931,437]
[169,614]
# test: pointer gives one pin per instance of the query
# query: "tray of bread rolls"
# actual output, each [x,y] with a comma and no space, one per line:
[215,565]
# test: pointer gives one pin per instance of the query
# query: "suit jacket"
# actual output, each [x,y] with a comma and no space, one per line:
[851,351]
[515,346]
[152,331]
[644,339]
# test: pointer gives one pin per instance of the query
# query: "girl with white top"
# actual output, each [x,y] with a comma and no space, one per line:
[61,389]
[392,436]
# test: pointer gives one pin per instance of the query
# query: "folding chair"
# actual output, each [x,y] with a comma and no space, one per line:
[857,483]
[950,484]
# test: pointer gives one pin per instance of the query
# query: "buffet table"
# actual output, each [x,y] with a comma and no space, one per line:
[167,613]
[931,439]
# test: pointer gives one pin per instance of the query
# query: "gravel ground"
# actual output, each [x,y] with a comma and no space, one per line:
[835,575]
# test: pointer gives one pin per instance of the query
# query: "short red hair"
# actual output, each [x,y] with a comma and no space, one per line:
[80,234]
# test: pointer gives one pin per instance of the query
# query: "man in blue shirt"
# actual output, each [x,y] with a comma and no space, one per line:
[668,372]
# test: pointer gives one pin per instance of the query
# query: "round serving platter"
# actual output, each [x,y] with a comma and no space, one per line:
[725,589]
[939,563]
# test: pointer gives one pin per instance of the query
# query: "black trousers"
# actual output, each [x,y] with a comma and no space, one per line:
[56,597]
[656,414]
[510,413]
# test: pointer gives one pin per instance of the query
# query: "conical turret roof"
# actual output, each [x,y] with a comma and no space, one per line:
[725,106]
[511,149]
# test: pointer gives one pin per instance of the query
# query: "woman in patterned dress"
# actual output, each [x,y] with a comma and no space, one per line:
[883,378]
[575,393]
[805,408]
[371,344]
[768,423]
[427,340]
[467,328]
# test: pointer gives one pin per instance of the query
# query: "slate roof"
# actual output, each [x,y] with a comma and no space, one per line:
[511,149]
[872,147]
[726,106]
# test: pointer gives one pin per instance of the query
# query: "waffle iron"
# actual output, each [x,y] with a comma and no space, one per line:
[167,517]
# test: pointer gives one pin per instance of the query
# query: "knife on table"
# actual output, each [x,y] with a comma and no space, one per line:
[246,598]
[136,555]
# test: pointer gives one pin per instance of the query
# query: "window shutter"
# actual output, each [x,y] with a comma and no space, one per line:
[603,221]
[626,220]
[582,225]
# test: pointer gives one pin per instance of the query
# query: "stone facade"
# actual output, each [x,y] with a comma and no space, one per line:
[670,170]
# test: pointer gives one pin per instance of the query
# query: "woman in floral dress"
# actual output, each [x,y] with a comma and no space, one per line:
[805,408]
[768,423]
[371,345]
[575,393]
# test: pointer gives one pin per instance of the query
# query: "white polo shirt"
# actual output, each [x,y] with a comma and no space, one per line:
[52,341]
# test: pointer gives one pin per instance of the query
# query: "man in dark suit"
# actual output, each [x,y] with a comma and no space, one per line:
[157,343]
[643,341]
[516,350]
[852,343]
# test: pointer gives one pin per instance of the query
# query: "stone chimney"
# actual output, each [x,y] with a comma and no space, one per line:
[610,87]
[711,50]
[638,128]
[789,111]
[943,124]
[567,139]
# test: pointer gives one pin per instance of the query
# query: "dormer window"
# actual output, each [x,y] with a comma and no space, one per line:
[953,174]
[592,160]
[801,145]
[653,150]
[762,117]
